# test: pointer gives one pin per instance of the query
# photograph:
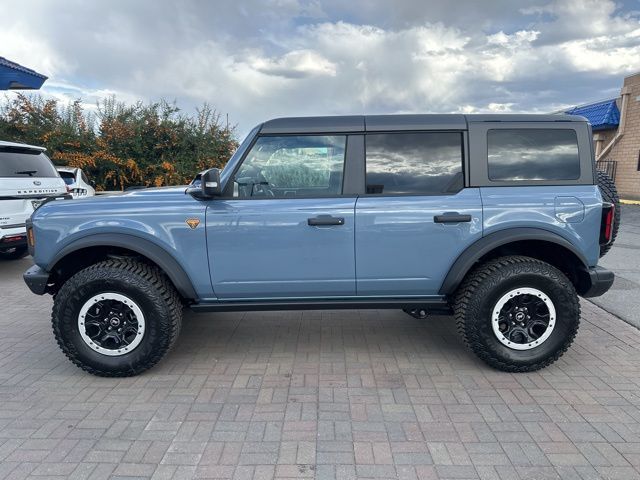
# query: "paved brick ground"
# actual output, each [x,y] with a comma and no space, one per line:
[367,394]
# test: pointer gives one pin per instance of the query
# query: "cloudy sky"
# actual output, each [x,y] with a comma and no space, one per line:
[260,59]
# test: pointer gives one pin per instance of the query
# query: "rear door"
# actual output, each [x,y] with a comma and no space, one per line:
[416,217]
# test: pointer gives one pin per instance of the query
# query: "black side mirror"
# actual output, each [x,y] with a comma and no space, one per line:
[210,183]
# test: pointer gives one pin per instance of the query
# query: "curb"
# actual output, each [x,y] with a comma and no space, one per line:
[630,202]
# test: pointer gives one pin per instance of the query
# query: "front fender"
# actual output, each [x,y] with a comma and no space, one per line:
[143,247]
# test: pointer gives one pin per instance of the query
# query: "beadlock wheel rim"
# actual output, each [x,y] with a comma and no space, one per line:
[523,318]
[111,324]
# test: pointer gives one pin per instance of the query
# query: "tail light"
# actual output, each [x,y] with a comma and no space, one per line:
[12,238]
[606,226]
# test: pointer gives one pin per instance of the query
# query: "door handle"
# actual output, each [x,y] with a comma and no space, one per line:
[451,217]
[325,221]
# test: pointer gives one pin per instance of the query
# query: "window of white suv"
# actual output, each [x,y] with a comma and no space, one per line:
[18,163]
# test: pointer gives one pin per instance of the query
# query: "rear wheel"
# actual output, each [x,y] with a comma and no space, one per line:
[516,313]
[117,318]
[14,253]
[610,194]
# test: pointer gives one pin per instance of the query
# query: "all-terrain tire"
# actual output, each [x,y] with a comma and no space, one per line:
[145,285]
[481,290]
[610,194]
[15,253]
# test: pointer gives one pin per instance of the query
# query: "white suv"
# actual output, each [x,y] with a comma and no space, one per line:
[27,178]
[78,185]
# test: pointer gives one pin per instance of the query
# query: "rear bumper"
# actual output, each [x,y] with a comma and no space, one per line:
[12,237]
[36,279]
[600,279]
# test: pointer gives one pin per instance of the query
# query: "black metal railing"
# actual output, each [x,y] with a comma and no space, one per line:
[609,167]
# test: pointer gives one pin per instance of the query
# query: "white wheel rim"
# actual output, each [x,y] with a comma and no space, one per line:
[500,317]
[105,323]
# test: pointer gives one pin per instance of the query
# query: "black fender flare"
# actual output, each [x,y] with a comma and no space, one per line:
[481,247]
[146,248]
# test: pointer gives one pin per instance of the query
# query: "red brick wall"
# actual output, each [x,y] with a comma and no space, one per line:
[626,151]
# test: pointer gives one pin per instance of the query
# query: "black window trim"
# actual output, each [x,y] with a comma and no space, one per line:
[463,164]
[228,188]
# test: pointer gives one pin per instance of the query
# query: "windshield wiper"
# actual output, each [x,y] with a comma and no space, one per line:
[26,172]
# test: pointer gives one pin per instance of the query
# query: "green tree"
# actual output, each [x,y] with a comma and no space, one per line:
[121,145]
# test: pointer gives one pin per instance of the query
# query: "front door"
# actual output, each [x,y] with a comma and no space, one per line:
[284,229]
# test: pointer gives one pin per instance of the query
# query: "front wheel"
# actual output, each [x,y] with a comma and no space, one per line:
[516,313]
[117,318]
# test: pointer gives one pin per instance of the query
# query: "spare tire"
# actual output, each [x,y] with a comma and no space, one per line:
[609,194]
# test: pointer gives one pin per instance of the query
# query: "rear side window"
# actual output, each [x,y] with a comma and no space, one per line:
[533,154]
[68,178]
[427,163]
[20,163]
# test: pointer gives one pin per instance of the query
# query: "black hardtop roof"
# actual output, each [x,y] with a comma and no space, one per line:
[380,123]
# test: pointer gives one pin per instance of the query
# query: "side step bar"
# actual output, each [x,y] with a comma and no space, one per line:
[434,305]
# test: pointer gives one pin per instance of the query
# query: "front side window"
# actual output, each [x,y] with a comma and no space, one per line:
[428,163]
[533,154]
[292,166]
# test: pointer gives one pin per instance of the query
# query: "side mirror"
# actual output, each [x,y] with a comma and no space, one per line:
[210,183]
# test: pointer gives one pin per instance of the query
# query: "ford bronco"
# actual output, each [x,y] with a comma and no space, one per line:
[497,219]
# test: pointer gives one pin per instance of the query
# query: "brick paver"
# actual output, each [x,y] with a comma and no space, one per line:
[340,394]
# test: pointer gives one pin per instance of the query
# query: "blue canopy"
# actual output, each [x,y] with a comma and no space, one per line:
[17,77]
[601,115]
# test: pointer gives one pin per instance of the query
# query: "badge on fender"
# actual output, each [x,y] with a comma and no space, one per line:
[193,222]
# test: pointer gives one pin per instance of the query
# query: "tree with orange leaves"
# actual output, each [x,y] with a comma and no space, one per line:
[121,145]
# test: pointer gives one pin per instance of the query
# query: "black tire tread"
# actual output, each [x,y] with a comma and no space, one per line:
[462,307]
[129,267]
[610,194]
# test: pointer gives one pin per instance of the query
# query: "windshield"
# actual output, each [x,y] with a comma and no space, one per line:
[22,163]
[231,164]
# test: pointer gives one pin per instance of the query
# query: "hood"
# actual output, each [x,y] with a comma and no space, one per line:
[104,205]
[154,191]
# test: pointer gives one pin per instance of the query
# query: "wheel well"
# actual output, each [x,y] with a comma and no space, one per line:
[82,258]
[560,257]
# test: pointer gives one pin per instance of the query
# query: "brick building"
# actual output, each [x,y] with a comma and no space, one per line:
[616,136]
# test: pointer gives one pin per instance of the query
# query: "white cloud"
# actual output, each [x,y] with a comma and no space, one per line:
[33,51]
[292,57]
[295,64]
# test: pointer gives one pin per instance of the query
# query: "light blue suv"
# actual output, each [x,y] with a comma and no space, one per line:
[498,219]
